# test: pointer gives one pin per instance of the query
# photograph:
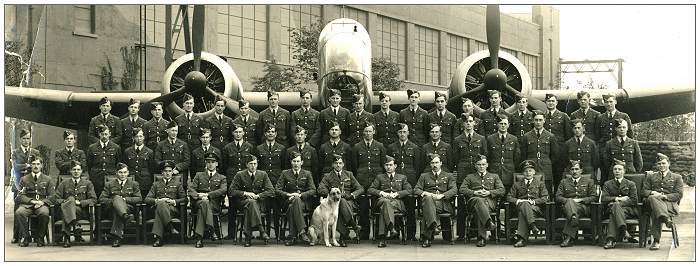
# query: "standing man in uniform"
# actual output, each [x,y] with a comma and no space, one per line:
[521,119]
[308,153]
[583,149]
[103,157]
[220,125]
[189,124]
[207,191]
[20,167]
[409,159]
[586,114]
[390,188]
[306,117]
[489,117]
[439,147]
[540,146]
[248,121]
[559,124]
[130,122]
[468,108]
[105,118]
[332,114]
[482,189]
[176,150]
[527,194]
[35,192]
[155,128]
[469,147]
[197,163]
[165,196]
[606,130]
[234,161]
[620,195]
[623,148]
[444,118]
[415,117]
[368,156]
[296,188]
[271,155]
[503,152]
[436,189]
[574,195]
[350,189]
[141,161]
[251,188]
[120,197]
[357,120]
[276,116]
[386,120]
[74,195]
[64,157]
[663,191]
[334,146]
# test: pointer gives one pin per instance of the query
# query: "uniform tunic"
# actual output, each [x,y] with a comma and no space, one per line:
[503,156]
[189,130]
[385,206]
[527,212]
[570,189]
[447,123]
[257,183]
[282,120]
[128,130]
[214,185]
[442,183]
[112,122]
[63,159]
[154,131]
[350,189]
[67,193]
[417,124]
[164,212]
[141,165]
[356,126]
[249,124]
[302,183]
[221,130]
[482,206]
[668,184]
[129,196]
[619,211]
[386,126]
[589,118]
[102,162]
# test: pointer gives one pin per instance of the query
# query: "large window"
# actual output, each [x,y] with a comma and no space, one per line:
[427,55]
[242,30]
[355,14]
[391,42]
[511,52]
[457,50]
[295,17]
[530,62]
[480,46]
[154,18]
[84,18]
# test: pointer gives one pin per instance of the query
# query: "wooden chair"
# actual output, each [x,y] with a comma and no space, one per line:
[641,222]
[543,222]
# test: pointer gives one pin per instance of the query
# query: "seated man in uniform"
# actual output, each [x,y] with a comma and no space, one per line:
[526,194]
[391,188]
[663,191]
[620,195]
[296,187]
[350,189]
[207,191]
[483,189]
[165,194]
[574,194]
[72,193]
[35,190]
[251,188]
[120,196]
[436,189]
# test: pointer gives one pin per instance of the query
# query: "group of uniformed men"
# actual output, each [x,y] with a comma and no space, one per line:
[279,161]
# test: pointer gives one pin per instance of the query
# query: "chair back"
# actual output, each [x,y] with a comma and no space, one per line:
[638,180]
[588,176]
[109,178]
[519,177]
[158,177]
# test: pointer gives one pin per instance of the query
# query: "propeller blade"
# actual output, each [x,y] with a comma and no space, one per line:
[512,108]
[197,34]
[493,32]
[231,104]
[537,104]
[186,28]
[454,104]
[166,99]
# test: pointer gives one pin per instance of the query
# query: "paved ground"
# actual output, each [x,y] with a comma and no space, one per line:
[366,251]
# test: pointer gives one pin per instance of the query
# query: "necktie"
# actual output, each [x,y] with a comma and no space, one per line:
[413,112]
[36,178]
[522,114]
[495,113]
[269,147]
[296,175]
[133,122]
[527,183]
[70,153]
[622,141]
[335,111]
[402,144]
[575,183]
[334,145]
[503,138]
[238,145]
[103,146]
[189,117]
[549,115]
[211,175]
[435,146]
[75,182]
[610,115]
[386,114]
[538,133]
[338,174]
[121,184]
[440,116]
[274,112]
[138,150]
[469,138]
[245,120]
[579,141]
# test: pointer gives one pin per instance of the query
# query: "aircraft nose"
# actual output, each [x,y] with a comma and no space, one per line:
[195,80]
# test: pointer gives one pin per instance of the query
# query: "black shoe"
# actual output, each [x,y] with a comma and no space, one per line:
[610,244]
[291,241]
[567,242]
[393,233]
[460,238]
[199,243]
[264,236]
[247,243]
[116,243]
[668,223]
[66,241]
[481,242]
[382,244]
[157,243]
[304,237]
[342,242]
[655,246]
[230,237]
[520,243]
[25,242]
[14,240]
[426,244]
[534,229]
[40,242]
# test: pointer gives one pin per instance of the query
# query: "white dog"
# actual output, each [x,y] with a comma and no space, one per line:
[325,219]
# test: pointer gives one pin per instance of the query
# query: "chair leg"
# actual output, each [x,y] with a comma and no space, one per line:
[674,234]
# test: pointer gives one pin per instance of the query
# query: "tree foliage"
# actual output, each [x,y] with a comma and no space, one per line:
[276,78]
[385,75]
[15,66]
[674,128]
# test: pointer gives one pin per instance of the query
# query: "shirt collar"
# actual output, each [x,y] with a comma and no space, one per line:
[140,147]
[75,180]
[211,173]
[438,172]
[576,179]
[104,143]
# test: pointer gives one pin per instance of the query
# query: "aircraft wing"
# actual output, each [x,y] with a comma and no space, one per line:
[66,109]
[641,104]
